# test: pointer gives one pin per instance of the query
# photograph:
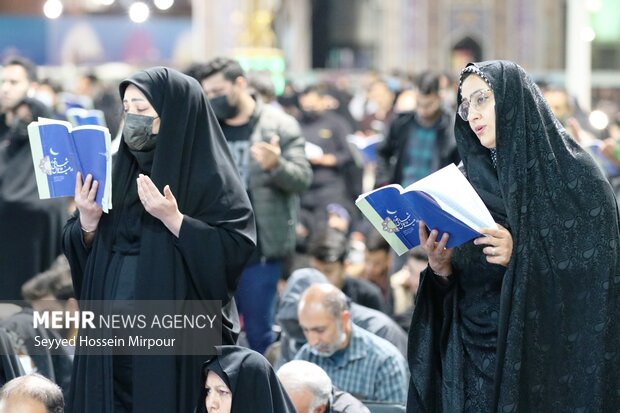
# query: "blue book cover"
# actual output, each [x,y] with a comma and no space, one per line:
[367,146]
[60,151]
[82,117]
[444,200]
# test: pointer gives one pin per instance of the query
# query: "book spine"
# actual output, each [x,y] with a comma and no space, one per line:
[39,161]
[370,211]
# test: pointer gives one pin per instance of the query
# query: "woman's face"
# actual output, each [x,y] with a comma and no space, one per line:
[136,103]
[219,396]
[478,107]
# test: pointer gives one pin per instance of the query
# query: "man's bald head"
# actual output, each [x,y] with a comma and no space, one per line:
[324,318]
[31,394]
[326,296]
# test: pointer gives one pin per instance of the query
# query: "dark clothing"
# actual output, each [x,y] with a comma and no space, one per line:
[329,184]
[10,366]
[364,293]
[274,196]
[407,137]
[216,238]
[251,380]
[534,336]
[55,364]
[30,228]
[343,402]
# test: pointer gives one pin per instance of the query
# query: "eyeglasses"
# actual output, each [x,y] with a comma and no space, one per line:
[478,100]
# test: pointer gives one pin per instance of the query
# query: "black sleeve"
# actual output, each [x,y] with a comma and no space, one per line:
[75,250]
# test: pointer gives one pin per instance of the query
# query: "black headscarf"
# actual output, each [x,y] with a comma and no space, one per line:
[216,238]
[559,313]
[251,379]
[30,228]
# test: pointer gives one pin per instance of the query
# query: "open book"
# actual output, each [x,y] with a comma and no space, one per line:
[59,152]
[444,200]
[367,145]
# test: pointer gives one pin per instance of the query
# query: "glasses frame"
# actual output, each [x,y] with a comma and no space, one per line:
[463,111]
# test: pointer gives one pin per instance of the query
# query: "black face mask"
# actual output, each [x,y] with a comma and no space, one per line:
[310,115]
[222,108]
[138,132]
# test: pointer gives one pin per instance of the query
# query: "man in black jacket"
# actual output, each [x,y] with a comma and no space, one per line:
[419,142]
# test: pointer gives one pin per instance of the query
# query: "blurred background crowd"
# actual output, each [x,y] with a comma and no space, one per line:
[371,84]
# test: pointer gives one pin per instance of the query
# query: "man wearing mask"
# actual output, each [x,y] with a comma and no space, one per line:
[330,157]
[269,152]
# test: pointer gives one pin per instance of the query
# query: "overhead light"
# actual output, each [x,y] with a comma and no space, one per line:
[139,12]
[598,119]
[164,4]
[588,34]
[52,9]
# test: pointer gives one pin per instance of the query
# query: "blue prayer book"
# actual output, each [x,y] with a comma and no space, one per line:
[59,151]
[444,200]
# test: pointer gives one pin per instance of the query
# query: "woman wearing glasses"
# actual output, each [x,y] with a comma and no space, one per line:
[526,317]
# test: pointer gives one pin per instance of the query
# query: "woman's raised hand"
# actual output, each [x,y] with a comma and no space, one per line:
[162,206]
[85,193]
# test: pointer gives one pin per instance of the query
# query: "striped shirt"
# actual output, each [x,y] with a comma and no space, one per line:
[370,368]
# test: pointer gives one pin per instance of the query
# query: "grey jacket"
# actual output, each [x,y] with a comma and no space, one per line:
[275,194]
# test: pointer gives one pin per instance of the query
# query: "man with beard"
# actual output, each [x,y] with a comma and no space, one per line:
[358,362]
[268,150]
[19,77]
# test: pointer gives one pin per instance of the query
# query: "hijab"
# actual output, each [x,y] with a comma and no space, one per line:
[560,305]
[251,379]
[217,237]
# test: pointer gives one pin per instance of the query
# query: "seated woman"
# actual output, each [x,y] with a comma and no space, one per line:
[240,380]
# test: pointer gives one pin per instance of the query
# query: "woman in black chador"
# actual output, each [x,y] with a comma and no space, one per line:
[181,229]
[526,318]
[240,380]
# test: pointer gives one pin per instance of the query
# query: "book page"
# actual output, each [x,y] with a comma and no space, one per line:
[54,158]
[455,195]
[92,145]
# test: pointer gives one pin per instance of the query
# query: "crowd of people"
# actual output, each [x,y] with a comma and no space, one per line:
[223,191]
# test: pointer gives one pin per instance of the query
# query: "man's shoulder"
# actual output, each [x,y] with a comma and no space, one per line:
[273,117]
[377,346]
[361,285]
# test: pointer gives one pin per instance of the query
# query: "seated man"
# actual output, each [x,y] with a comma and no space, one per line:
[358,362]
[292,337]
[31,394]
[311,390]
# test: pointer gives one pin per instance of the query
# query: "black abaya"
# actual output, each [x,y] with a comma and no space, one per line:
[204,263]
[541,335]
